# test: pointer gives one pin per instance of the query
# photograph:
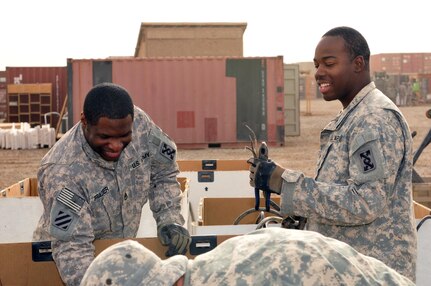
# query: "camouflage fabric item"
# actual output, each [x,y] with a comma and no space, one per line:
[130,263]
[271,256]
[362,192]
[87,198]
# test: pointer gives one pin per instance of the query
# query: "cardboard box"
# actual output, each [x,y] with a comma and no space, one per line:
[215,179]
[421,211]
[225,211]
[422,192]
[24,188]
[16,263]
[18,267]
[28,188]
[22,208]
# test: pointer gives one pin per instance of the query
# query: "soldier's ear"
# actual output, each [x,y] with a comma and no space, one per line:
[83,119]
[359,64]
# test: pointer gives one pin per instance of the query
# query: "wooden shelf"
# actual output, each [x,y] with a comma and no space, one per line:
[29,103]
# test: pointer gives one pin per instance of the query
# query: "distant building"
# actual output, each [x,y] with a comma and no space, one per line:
[190,39]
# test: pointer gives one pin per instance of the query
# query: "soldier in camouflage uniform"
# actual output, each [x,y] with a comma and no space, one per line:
[362,191]
[95,180]
[269,256]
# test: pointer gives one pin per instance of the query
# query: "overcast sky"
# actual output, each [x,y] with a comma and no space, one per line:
[47,32]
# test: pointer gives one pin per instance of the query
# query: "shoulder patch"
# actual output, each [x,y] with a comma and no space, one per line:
[70,200]
[167,151]
[367,160]
[163,147]
[62,220]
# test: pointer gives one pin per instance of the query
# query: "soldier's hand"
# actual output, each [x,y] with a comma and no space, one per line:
[176,237]
[265,175]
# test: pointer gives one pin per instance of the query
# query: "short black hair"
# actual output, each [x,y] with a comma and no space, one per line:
[107,100]
[354,41]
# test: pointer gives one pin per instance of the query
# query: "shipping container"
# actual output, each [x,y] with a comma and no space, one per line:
[401,63]
[3,80]
[56,76]
[3,99]
[291,100]
[390,63]
[412,63]
[199,102]
[427,63]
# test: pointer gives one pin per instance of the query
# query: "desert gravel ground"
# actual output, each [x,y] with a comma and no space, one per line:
[299,152]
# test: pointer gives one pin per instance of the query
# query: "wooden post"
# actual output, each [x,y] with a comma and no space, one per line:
[63,109]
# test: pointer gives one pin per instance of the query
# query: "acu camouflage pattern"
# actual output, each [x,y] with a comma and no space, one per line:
[277,256]
[130,263]
[362,192]
[271,256]
[112,193]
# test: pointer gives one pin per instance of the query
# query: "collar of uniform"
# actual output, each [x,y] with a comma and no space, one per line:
[339,119]
[93,156]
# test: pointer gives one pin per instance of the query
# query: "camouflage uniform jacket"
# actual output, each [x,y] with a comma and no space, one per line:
[87,198]
[362,192]
[277,256]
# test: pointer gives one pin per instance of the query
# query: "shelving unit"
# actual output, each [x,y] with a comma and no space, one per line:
[29,103]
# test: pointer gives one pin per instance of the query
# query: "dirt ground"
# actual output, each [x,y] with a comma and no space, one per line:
[299,152]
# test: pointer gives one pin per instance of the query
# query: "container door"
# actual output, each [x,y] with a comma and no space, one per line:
[251,96]
[102,72]
[291,100]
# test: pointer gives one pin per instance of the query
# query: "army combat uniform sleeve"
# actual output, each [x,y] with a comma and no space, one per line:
[69,225]
[277,256]
[354,191]
[165,195]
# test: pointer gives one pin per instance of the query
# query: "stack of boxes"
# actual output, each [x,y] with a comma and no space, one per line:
[26,137]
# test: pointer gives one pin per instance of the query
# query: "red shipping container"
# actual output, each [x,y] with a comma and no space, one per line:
[57,76]
[412,63]
[3,99]
[197,101]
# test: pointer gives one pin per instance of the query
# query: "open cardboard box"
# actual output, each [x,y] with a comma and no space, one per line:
[22,208]
[28,188]
[17,259]
[22,262]
[224,211]
[205,181]
[24,188]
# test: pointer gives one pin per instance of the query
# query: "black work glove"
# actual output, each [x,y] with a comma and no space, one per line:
[265,175]
[176,237]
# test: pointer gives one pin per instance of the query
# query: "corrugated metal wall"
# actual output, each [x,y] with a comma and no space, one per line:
[195,100]
[3,100]
[57,76]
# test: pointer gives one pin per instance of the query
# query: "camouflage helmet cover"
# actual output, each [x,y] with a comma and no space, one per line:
[130,263]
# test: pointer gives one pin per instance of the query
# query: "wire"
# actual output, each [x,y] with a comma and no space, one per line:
[252,210]
[265,221]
